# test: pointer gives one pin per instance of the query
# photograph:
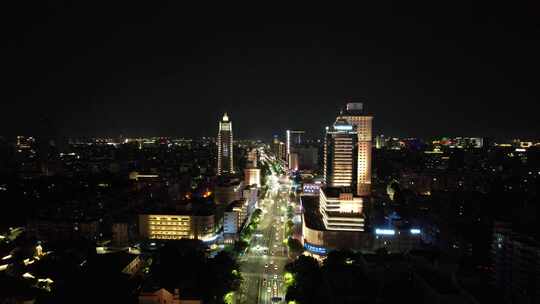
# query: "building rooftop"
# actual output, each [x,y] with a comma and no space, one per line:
[227,181]
[235,204]
[354,107]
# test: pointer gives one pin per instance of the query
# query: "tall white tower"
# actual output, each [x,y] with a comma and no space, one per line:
[225,146]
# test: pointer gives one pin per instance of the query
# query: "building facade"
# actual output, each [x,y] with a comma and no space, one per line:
[354,114]
[175,226]
[340,155]
[292,140]
[340,209]
[252,176]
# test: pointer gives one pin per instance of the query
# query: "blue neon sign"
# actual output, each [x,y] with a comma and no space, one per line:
[315,249]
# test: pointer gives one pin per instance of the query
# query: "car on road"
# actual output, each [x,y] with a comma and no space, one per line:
[275,278]
[275,267]
[265,265]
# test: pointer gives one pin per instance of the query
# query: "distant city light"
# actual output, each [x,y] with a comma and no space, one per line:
[415,231]
[385,231]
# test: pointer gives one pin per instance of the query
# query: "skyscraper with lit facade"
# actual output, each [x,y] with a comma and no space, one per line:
[340,207]
[340,155]
[225,147]
[354,114]
[293,139]
[337,219]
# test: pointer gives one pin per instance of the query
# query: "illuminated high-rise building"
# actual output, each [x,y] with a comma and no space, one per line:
[293,139]
[354,114]
[279,148]
[341,201]
[340,155]
[225,147]
[340,207]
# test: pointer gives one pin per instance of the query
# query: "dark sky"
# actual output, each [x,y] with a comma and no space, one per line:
[171,69]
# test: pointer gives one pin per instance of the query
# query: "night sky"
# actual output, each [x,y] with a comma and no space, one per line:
[171,69]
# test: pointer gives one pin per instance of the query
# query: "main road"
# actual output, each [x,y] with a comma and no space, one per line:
[263,264]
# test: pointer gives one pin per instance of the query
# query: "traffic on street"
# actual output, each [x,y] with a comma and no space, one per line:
[262,265]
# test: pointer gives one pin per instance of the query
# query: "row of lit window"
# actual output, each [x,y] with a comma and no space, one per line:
[169,218]
[169,228]
[167,237]
[169,233]
[183,223]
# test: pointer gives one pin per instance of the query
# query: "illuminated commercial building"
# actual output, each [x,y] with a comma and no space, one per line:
[165,226]
[175,226]
[355,116]
[233,218]
[279,148]
[341,209]
[318,239]
[225,147]
[237,213]
[252,176]
[335,219]
[340,157]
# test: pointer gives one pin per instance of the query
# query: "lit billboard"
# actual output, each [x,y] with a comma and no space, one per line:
[311,188]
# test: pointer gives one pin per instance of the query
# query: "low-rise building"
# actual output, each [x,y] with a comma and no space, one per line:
[177,226]
[319,240]
[233,219]
[341,210]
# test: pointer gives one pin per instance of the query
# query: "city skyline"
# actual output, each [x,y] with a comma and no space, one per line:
[381,153]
